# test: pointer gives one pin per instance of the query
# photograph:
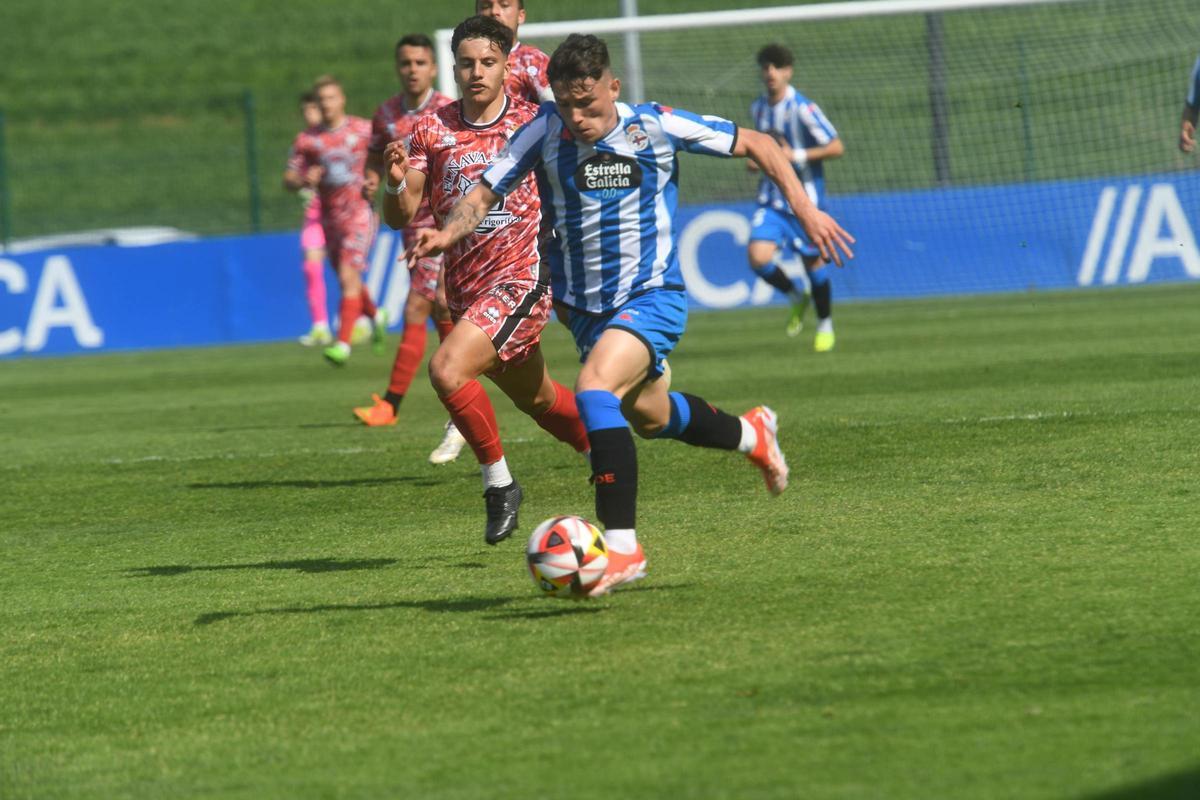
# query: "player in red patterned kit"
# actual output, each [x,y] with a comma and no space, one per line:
[331,159]
[394,120]
[526,64]
[497,293]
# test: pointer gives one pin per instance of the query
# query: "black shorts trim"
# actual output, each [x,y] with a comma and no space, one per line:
[653,372]
[519,315]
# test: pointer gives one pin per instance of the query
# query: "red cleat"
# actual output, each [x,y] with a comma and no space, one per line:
[766,454]
[381,413]
[622,568]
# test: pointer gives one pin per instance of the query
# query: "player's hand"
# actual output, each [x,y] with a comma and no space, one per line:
[1187,137]
[313,175]
[427,242]
[830,238]
[395,161]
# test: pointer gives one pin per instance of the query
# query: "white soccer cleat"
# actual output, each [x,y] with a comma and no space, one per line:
[451,446]
[766,454]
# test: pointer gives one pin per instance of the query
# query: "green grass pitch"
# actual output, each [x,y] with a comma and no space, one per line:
[981,584]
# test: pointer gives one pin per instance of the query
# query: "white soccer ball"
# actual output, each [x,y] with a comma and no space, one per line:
[567,556]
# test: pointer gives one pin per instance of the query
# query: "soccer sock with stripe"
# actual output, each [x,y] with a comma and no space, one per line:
[408,358]
[614,458]
[475,419]
[562,420]
[351,310]
[700,424]
[368,305]
[822,292]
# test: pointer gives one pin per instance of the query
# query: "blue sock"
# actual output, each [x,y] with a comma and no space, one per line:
[681,416]
[600,410]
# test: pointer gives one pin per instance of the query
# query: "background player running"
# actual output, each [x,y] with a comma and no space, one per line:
[612,172]
[394,120]
[1191,110]
[496,291]
[331,159]
[807,139]
[312,244]
[526,64]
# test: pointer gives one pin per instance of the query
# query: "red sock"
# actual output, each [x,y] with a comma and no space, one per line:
[408,358]
[472,413]
[368,305]
[562,420]
[351,310]
[444,326]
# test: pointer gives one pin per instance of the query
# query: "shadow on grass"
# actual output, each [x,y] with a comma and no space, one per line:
[308,565]
[576,608]
[433,606]
[1179,786]
[317,484]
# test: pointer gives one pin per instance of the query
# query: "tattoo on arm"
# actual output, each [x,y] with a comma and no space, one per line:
[464,218]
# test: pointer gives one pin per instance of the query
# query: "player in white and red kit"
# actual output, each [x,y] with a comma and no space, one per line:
[331,159]
[497,292]
[312,245]
[526,64]
[394,120]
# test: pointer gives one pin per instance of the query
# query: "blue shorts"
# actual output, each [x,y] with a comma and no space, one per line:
[783,229]
[657,317]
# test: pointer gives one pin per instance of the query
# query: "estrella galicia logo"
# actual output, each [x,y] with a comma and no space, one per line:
[608,173]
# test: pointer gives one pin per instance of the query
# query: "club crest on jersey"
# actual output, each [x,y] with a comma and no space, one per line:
[608,172]
[638,139]
[449,140]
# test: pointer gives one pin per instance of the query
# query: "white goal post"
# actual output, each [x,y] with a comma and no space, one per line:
[718,19]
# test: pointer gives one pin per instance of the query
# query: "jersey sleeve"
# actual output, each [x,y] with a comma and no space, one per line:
[522,153]
[299,157]
[418,148]
[1193,96]
[815,122]
[706,135]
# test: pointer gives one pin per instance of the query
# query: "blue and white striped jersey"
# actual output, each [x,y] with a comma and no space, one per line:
[612,203]
[800,123]
[1193,96]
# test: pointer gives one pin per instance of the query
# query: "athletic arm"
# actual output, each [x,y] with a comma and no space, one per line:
[372,174]
[1187,129]
[462,219]
[404,188]
[823,230]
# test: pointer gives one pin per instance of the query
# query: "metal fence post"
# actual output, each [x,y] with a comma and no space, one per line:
[939,99]
[252,162]
[5,208]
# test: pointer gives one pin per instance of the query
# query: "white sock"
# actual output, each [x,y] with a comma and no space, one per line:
[749,437]
[825,325]
[621,540]
[496,475]
[321,326]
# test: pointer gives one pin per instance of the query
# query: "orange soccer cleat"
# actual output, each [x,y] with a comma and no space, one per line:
[381,413]
[622,568]
[766,454]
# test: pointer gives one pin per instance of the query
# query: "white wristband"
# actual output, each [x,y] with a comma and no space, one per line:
[799,156]
[387,187]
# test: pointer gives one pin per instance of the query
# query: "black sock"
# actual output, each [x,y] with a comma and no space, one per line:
[779,279]
[614,472]
[394,399]
[822,295]
[710,426]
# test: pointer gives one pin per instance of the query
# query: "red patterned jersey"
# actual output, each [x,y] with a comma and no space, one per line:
[527,74]
[342,153]
[453,154]
[393,120]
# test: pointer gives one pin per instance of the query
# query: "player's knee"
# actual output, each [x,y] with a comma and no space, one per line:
[647,429]
[445,376]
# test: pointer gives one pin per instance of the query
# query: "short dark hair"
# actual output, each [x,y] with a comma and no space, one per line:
[776,55]
[414,40]
[308,98]
[579,57]
[483,28]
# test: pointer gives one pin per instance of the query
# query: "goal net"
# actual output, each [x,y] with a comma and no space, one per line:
[990,144]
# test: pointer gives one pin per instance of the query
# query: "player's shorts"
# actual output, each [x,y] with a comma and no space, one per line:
[512,314]
[657,318]
[783,230]
[423,275]
[348,239]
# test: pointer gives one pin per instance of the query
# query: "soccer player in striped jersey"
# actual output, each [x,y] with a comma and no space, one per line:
[610,171]
[394,120]
[495,287]
[807,138]
[331,159]
[526,64]
[1191,110]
